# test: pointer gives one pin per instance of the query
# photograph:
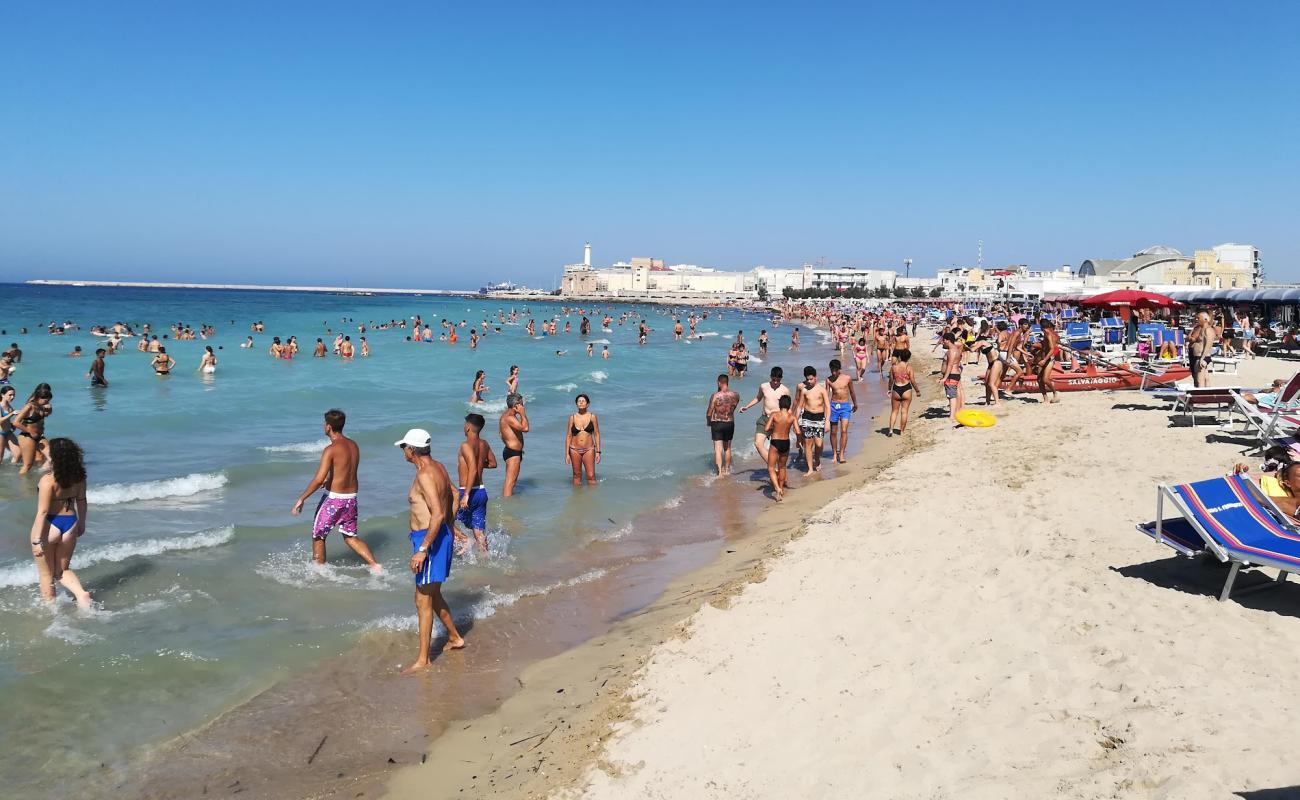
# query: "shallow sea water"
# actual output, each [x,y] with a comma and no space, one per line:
[204,587]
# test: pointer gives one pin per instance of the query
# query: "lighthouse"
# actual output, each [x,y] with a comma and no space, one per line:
[586,255]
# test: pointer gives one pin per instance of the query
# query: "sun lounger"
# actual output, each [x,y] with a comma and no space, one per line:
[1225,364]
[1220,398]
[1230,519]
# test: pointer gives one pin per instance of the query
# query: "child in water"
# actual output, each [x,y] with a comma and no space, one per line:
[778,452]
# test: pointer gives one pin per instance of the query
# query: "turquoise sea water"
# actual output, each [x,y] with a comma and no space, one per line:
[204,589]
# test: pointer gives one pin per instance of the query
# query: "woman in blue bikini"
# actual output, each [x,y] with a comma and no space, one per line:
[60,520]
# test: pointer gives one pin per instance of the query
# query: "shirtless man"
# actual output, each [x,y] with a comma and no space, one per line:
[513,426]
[346,349]
[677,330]
[901,340]
[320,349]
[954,355]
[720,416]
[96,373]
[475,456]
[337,475]
[882,349]
[1017,353]
[1200,345]
[769,394]
[844,402]
[762,342]
[810,404]
[433,514]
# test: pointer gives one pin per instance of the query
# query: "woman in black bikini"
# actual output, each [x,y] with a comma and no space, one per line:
[901,390]
[60,520]
[29,425]
[582,441]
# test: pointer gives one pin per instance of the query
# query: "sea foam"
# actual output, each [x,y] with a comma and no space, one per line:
[297,447]
[25,574]
[116,493]
[599,376]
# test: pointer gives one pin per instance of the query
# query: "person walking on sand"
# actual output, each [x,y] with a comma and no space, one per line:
[433,515]
[582,441]
[1200,345]
[902,386]
[810,403]
[953,357]
[1047,361]
[513,425]
[60,521]
[778,426]
[769,394]
[844,403]
[475,456]
[720,416]
[337,475]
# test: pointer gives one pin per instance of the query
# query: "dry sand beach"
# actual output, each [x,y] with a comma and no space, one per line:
[978,619]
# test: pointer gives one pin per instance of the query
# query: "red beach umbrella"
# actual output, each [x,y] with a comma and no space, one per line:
[1130,298]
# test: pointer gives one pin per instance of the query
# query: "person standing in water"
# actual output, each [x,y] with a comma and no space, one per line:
[208,364]
[337,475]
[769,394]
[162,363]
[779,424]
[96,373]
[60,520]
[844,403]
[720,416]
[476,392]
[433,515]
[513,425]
[582,441]
[474,457]
[810,403]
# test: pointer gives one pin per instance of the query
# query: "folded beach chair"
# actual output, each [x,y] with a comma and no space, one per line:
[1230,519]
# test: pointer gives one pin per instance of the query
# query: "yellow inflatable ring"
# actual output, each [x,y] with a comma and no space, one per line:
[974,418]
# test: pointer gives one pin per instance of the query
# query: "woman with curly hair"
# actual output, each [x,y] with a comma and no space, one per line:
[60,520]
[29,426]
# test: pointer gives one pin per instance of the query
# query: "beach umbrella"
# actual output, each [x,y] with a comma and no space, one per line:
[1130,298]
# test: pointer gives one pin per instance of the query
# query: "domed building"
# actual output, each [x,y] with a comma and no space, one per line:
[1221,267]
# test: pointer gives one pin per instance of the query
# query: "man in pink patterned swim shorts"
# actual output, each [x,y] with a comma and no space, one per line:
[337,475]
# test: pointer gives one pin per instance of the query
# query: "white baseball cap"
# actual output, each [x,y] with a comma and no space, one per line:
[415,437]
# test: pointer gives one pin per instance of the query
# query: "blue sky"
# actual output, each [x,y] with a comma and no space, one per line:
[445,144]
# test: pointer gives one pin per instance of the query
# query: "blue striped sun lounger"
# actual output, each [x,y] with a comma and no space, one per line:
[1231,519]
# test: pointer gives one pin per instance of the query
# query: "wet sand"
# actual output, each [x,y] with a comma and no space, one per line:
[551,729]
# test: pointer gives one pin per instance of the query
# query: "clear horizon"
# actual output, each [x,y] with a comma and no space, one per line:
[408,146]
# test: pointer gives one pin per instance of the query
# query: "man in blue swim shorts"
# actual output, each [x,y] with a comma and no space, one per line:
[433,510]
[844,401]
[475,456]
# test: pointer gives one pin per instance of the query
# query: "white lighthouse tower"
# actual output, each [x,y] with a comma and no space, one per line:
[586,255]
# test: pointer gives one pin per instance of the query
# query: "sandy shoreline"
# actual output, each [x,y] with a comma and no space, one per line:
[981,621]
[546,734]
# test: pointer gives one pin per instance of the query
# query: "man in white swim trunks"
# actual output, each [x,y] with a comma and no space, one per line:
[337,474]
